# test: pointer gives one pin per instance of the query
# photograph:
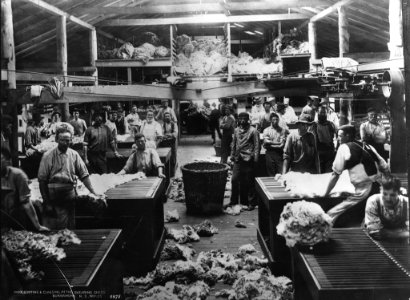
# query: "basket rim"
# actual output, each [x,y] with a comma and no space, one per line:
[226,167]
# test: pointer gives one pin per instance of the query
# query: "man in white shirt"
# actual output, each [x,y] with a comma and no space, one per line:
[152,130]
[289,116]
[364,165]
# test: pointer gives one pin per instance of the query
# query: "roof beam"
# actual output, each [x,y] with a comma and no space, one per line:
[329,10]
[58,12]
[202,19]
[205,7]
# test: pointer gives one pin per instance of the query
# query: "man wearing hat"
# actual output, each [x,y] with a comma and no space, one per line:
[289,115]
[331,114]
[300,152]
[257,111]
[374,133]
[245,154]
[79,124]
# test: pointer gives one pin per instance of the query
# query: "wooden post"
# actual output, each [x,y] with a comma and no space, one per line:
[396,29]
[406,44]
[94,53]
[8,54]
[312,43]
[129,75]
[62,63]
[228,41]
[344,35]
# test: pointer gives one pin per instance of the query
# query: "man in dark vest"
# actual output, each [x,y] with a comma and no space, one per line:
[364,165]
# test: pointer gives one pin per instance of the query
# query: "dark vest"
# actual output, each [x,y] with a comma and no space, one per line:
[362,154]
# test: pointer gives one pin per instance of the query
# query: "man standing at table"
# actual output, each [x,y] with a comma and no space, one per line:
[57,176]
[79,124]
[363,163]
[300,152]
[144,160]
[387,213]
[17,210]
[274,138]
[245,155]
[165,109]
[97,137]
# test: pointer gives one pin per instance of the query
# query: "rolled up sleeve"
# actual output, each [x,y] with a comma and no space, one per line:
[129,165]
[80,167]
[287,150]
[156,161]
[342,155]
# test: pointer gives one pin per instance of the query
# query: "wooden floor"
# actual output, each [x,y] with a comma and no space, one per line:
[229,238]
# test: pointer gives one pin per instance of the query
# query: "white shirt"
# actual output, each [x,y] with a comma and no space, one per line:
[257,112]
[290,116]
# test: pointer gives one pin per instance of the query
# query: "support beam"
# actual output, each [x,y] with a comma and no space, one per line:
[58,12]
[7,40]
[329,10]
[62,63]
[94,54]
[129,75]
[202,19]
[344,35]
[312,37]
[396,29]
[40,77]
[204,7]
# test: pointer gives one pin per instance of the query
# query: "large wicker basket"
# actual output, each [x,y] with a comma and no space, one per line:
[204,184]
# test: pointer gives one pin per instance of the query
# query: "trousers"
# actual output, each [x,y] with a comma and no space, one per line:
[274,162]
[98,162]
[225,147]
[243,183]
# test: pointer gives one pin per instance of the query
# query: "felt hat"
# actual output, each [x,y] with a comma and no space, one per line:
[304,118]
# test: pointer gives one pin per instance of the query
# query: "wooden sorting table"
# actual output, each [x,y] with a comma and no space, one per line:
[137,208]
[87,267]
[272,199]
[354,267]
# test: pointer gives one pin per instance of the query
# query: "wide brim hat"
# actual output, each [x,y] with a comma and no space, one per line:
[305,119]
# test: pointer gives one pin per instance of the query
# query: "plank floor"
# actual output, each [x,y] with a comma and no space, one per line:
[229,238]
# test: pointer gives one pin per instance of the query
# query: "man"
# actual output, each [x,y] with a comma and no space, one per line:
[214,122]
[300,152]
[325,132]
[228,127]
[132,119]
[79,124]
[387,213]
[17,211]
[51,128]
[245,154]
[110,123]
[280,110]
[308,108]
[331,114]
[170,139]
[265,119]
[6,130]
[363,163]
[120,122]
[257,111]
[152,130]
[274,138]
[374,133]
[97,137]
[165,108]
[31,137]
[57,176]
[289,116]
[144,160]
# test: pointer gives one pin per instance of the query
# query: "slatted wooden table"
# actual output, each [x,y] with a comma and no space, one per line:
[137,208]
[272,199]
[354,267]
[84,264]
